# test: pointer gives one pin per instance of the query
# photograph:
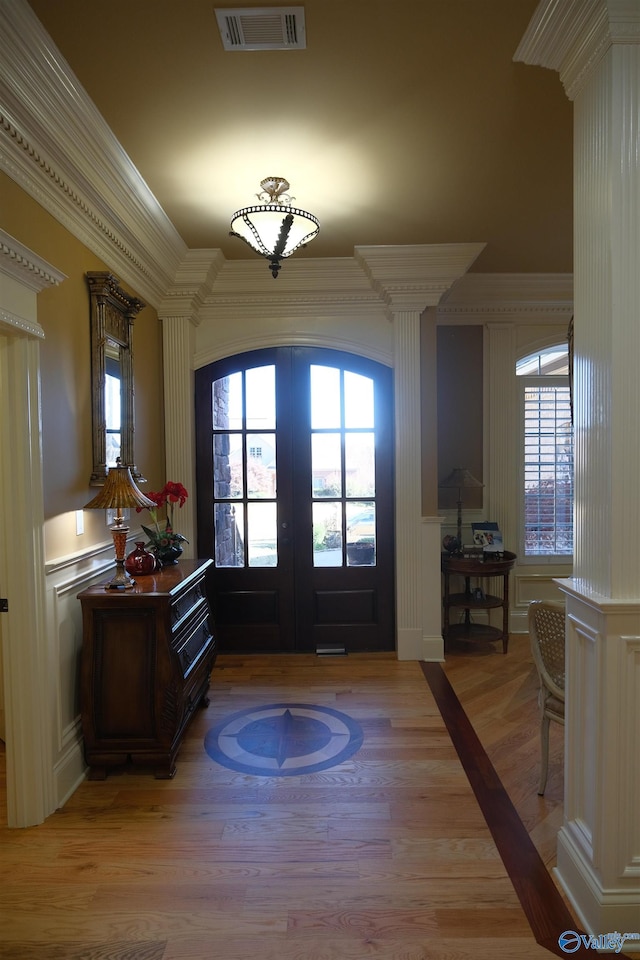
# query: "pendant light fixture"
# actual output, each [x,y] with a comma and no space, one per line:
[273,227]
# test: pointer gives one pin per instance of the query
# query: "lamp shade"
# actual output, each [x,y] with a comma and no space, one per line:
[459,478]
[274,228]
[119,492]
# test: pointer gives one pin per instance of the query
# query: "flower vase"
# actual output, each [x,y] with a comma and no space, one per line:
[140,562]
[168,554]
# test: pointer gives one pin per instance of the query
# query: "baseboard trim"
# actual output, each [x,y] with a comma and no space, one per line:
[69,773]
[433,649]
[600,910]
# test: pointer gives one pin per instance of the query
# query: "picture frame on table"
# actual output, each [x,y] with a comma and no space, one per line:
[487,535]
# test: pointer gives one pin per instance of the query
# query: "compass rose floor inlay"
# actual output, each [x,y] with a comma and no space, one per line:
[284,739]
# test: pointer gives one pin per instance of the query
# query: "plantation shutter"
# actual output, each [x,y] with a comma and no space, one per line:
[548,467]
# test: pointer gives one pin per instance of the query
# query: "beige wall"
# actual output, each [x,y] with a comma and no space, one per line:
[63,313]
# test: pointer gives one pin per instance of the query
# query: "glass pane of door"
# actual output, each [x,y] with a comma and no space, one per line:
[358,400]
[361,533]
[343,467]
[326,464]
[327,534]
[360,464]
[228,519]
[325,397]
[262,535]
[244,468]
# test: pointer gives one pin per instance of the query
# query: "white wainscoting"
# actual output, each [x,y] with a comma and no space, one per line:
[65,578]
[527,586]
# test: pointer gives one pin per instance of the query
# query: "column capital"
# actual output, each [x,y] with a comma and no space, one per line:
[412,277]
[572,36]
[193,282]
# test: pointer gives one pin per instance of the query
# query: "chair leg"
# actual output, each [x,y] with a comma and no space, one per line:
[544,754]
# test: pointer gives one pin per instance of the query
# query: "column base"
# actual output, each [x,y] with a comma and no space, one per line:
[409,646]
[599,842]
[433,649]
[599,910]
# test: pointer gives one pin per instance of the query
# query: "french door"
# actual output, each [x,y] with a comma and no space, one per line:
[295,500]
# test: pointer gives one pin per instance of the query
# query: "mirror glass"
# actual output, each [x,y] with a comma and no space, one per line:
[112,404]
[112,315]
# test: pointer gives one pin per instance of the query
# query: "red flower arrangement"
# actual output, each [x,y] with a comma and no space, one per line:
[161,540]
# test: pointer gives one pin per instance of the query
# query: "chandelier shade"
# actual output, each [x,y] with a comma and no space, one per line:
[274,228]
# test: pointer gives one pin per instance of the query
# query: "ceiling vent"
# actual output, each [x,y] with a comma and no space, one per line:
[262,28]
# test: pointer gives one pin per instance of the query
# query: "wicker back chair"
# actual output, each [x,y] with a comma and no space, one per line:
[547,635]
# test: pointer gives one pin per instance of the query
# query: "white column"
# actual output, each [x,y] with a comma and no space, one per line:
[432,641]
[409,582]
[410,279]
[27,653]
[177,346]
[595,46]
[179,313]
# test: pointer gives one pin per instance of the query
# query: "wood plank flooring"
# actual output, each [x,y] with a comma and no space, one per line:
[386,856]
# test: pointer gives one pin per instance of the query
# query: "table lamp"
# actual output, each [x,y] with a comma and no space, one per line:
[119,493]
[458,479]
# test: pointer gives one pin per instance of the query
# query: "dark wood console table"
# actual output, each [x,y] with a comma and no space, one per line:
[147,656]
[467,568]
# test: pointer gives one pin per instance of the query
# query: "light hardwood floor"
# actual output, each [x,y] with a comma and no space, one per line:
[386,856]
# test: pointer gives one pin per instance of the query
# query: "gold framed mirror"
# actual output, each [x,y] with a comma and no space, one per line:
[112,417]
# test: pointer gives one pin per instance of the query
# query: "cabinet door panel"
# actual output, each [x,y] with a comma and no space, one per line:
[125,664]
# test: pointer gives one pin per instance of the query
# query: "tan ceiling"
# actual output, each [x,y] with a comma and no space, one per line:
[401,122]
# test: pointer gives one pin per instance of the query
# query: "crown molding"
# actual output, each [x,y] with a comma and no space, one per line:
[305,286]
[16,323]
[24,265]
[572,36]
[508,297]
[58,148]
[209,289]
[341,276]
[414,277]
[194,281]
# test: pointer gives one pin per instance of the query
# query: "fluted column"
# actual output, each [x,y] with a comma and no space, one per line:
[409,590]
[27,649]
[179,313]
[595,46]
[410,279]
[501,480]
[177,345]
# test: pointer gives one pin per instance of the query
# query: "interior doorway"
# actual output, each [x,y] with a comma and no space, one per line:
[295,499]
